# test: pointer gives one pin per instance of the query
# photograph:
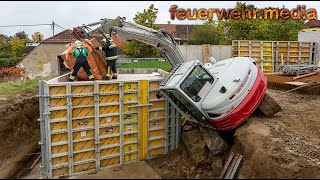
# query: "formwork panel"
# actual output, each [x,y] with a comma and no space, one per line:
[110,161]
[58,102]
[94,125]
[82,123]
[57,90]
[82,112]
[82,89]
[82,101]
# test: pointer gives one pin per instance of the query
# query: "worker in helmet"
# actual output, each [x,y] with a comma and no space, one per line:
[80,53]
[110,49]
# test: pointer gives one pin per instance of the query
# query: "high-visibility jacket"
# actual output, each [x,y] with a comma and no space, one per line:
[111,51]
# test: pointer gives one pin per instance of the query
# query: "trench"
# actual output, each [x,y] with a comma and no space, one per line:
[20,134]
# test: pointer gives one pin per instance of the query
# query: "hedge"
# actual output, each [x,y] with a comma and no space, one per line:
[9,62]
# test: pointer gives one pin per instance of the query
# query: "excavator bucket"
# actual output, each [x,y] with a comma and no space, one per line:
[96,60]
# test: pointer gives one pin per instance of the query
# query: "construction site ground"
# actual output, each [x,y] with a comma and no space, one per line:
[284,146]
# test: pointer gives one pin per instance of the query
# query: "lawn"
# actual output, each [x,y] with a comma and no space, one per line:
[164,65]
[18,86]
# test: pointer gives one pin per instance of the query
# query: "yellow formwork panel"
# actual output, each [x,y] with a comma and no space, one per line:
[83,156]
[109,88]
[130,97]
[152,95]
[82,89]
[83,112]
[294,44]
[157,104]
[156,152]
[110,141]
[59,160]
[130,137]
[59,149]
[60,171]
[127,107]
[108,109]
[58,114]
[82,101]
[130,157]
[283,44]
[58,126]
[154,85]
[130,147]
[130,86]
[109,130]
[109,120]
[156,123]
[108,98]
[83,145]
[109,161]
[130,127]
[84,167]
[157,114]
[83,134]
[58,102]
[244,43]
[109,151]
[57,90]
[82,123]
[130,117]
[158,142]
[157,133]
[59,137]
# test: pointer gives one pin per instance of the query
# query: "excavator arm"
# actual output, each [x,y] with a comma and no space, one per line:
[159,39]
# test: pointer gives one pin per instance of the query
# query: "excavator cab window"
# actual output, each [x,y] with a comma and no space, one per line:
[184,104]
[196,83]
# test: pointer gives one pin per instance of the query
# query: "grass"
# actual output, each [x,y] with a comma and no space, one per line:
[18,86]
[164,65]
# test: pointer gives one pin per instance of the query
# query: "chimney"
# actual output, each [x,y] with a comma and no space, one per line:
[169,22]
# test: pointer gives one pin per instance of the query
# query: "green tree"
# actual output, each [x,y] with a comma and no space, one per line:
[137,49]
[204,34]
[17,46]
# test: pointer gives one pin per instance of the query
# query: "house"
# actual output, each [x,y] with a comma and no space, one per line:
[180,32]
[312,25]
[44,60]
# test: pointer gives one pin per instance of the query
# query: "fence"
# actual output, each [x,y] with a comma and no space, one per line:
[89,126]
[270,55]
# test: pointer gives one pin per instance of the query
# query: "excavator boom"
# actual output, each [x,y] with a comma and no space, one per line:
[159,39]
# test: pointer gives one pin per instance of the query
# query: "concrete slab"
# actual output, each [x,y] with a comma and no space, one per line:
[136,170]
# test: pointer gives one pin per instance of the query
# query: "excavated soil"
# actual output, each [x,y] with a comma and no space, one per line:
[284,146]
[19,132]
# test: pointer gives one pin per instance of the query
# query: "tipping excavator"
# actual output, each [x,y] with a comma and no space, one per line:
[218,96]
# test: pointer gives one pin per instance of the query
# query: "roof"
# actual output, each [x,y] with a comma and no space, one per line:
[313,23]
[181,31]
[65,36]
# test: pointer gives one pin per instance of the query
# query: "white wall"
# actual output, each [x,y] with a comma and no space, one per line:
[194,52]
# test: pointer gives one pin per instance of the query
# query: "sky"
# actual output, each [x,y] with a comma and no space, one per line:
[69,14]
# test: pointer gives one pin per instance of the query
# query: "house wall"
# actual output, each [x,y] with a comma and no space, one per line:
[198,52]
[45,54]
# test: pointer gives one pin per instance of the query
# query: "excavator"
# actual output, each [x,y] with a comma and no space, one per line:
[219,95]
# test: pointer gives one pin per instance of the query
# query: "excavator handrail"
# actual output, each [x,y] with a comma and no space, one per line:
[161,39]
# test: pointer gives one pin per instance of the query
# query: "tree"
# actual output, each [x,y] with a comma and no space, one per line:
[21,35]
[258,29]
[17,46]
[37,37]
[204,34]
[138,49]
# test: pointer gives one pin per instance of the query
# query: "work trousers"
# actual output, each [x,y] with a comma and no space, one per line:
[81,62]
[111,66]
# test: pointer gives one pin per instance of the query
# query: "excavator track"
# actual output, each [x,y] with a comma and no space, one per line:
[278,82]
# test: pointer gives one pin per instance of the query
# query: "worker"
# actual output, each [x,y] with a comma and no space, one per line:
[110,49]
[80,53]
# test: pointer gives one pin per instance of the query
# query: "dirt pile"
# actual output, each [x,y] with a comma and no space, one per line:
[19,132]
[284,146]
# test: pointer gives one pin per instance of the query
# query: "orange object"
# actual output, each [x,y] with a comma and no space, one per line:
[96,60]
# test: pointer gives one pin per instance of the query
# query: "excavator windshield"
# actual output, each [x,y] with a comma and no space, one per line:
[196,83]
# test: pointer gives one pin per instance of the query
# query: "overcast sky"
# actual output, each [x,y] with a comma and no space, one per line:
[69,14]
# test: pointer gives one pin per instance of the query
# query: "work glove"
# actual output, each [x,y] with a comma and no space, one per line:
[96,48]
